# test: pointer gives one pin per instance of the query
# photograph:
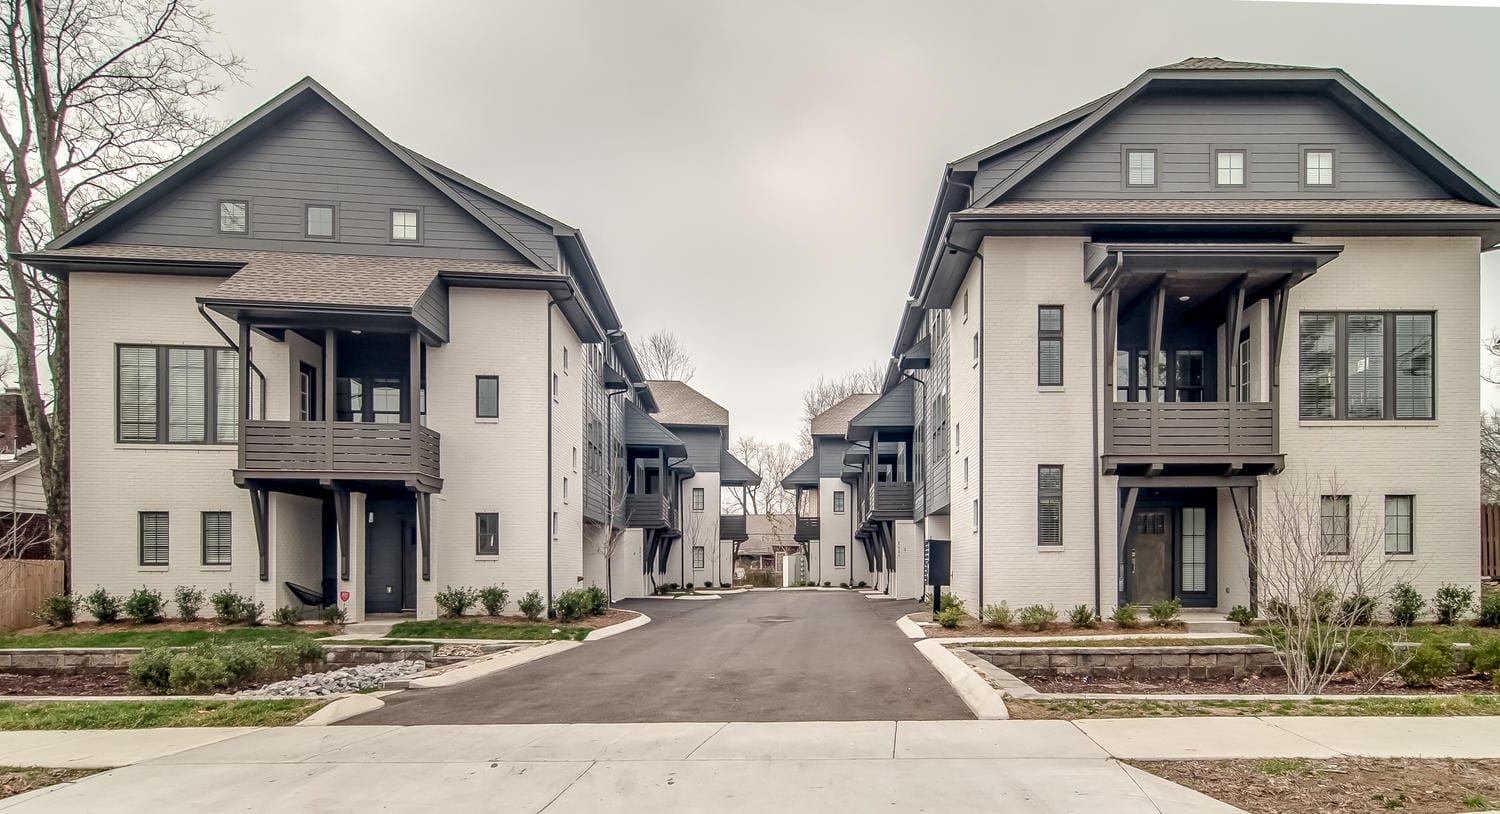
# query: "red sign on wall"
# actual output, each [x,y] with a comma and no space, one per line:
[343,596]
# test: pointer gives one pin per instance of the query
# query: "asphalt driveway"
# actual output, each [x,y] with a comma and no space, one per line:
[758,656]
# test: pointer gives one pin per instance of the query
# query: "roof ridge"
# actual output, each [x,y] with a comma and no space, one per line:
[1219,63]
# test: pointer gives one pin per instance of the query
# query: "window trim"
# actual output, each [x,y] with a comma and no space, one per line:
[699,558]
[479,380]
[140,540]
[1049,494]
[840,556]
[1125,151]
[1348,508]
[1388,361]
[219,216]
[697,497]
[1411,526]
[1049,336]
[163,402]
[839,502]
[1302,153]
[1213,169]
[203,539]
[479,518]
[390,225]
[333,225]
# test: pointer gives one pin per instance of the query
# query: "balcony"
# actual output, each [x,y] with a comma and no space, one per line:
[652,511]
[1191,437]
[891,500]
[318,450]
[806,530]
[732,527]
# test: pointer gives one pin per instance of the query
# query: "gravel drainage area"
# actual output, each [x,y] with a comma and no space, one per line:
[358,678]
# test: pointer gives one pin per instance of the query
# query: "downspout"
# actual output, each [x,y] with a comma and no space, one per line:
[551,404]
[979,473]
[203,312]
[926,470]
[1094,418]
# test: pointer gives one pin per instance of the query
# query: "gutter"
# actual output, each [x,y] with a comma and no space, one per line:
[551,405]
[1094,418]
[979,473]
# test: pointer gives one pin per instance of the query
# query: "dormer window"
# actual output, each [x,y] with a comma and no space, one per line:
[1229,168]
[405,225]
[234,217]
[1317,168]
[319,220]
[1140,168]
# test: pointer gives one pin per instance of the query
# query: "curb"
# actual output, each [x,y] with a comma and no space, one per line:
[984,701]
[698,598]
[618,628]
[490,665]
[910,628]
[346,707]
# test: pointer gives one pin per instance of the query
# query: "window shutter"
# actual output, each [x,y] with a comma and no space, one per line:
[137,383]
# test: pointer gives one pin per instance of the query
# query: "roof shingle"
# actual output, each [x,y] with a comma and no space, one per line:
[681,405]
[835,420]
[1217,64]
[1244,206]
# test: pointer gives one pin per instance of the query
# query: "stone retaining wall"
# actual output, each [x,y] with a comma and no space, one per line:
[57,659]
[1203,662]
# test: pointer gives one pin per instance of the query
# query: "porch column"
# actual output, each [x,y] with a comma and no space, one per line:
[352,560]
[244,374]
[1158,313]
[330,385]
[1232,322]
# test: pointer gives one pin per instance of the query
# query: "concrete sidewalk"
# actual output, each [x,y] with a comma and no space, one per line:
[803,766]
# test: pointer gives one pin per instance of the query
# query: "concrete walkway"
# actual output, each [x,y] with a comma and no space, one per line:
[1053,766]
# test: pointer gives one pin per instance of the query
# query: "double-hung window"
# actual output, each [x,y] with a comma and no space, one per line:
[1140,168]
[1049,345]
[1317,168]
[218,548]
[486,534]
[838,502]
[1365,365]
[1229,168]
[697,558]
[1049,480]
[1398,524]
[1334,513]
[486,396]
[177,395]
[153,530]
[838,556]
[697,499]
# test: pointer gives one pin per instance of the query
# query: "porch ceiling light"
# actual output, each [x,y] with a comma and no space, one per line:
[1184,298]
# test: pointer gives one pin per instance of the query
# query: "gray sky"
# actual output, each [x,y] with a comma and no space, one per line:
[756,176]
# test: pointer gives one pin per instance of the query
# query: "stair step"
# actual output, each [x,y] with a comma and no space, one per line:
[1210,626]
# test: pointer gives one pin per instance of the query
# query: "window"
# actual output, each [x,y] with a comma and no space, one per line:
[307,392]
[1335,524]
[697,499]
[974,509]
[234,217]
[1049,348]
[196,402]
[974,340]
[1229,168]
[838,502]
[575,459]
[838,556]
[153,534]
[487,534]
[1140,168]
[1398,524]
[319,220]
[697,558]
[957,435]
[1194,548]
[1187,375]
[217,534]
[486,396]
[1243,384]
[1317,168]
[405,225]
[1049,504]
[554,525]
[565,490]
[555,385]
[966,471]
[966,306]
[565,360]
[1365,366]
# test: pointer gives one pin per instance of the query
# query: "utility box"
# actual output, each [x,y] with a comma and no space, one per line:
[938,562]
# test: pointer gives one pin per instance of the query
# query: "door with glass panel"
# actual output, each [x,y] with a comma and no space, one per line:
[1180,374]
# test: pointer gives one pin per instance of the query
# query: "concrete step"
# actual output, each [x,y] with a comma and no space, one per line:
[1210,626]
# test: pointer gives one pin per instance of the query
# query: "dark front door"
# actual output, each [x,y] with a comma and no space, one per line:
[408,565]
[1148,556]
[390,550]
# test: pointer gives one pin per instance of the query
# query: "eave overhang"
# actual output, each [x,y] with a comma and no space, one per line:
[895,410]
[805,475]
[1105,261]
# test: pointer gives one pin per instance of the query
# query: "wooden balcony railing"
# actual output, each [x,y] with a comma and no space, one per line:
[340,449]
[1200,429]
[732,527]
[890,500]
[806,529]
[648,511]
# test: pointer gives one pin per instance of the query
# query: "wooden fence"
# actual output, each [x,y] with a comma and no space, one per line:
[23,586]
[1489,540]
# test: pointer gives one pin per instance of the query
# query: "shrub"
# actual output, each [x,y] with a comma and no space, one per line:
[1241,615]
[844,585]
[1126,616]
[572,605]
[531,605]
[1082,616]
[996,615]
[1428,663]
[949,617]
[827,584]
[152,669]
[103,606]
[861,584]
[455,602]
[1406,604]
[229,607]
[688,587]
[723,585]
[145,605]
[1280,612]
[1357,610]
[242,660]
[1484,659]
[1036,617]
[286,615]
[57,610]
[251,613]
[335,615]
[951,600]
[761,578]
[1451,602]
[599,600]
[197,670]
[1164,613]
[1371,657]
[189,601]
[306,651]
[1489,610]
[493,599]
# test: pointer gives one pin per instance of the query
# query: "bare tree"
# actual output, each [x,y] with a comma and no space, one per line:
[773,461]
[663,356]
[614,536]
[1321,567]
[101,94]
[826,392]
[1489,456]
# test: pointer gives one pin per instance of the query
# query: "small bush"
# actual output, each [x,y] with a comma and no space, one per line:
[335,615]
[229,607]
[844,585]
[1164,613]
[951,600]
[1357,610]
[58,610]
[861,584]
[827,584]
[1082,616]
[1126,616]
[197,671]
[1371,657]
[1484,659]
[996,615]
[454,602]
[1428,663]
[688,587]
[761,578]
[1451,602]
[1240,615]
[103,606]
[949,617]
[145,605]
[152,669]
[723,585]
[189,601]
[286,615]
[1406,604]
[599,600]
[1281,612]
[531,605]
[252,613]
[572,605]
[493,599]
[306,651]
[1489,610]
[1037,617]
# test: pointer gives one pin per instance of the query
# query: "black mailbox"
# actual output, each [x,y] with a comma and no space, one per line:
[939,556]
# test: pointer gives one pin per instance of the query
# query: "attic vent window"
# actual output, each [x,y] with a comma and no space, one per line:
[1318,168]
[319,221]
[1140,168]
[1230,169]
[234,217]
[405,225]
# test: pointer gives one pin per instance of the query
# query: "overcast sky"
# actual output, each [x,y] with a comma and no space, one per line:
[756,176]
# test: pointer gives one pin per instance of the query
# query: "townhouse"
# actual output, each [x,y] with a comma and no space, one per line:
[1130,324]
[310,364]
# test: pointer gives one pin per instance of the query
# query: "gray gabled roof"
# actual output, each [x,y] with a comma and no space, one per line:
[895,409]
[1217,64]
[679,405]
[806,474]
[734,472]
[641,430]
[835,420]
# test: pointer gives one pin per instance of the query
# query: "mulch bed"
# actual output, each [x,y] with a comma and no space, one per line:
[95,681]
[1345,684]
[15,781]
[1352,785]
[206,625]
[612,616]
[973,627]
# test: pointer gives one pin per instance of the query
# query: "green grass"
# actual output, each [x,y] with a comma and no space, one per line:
[474,629]
[153,714]
[1277,766]
[1475,802]
[1452,634]
[1463,705]
[1096,642]
[147,637]
[376,642]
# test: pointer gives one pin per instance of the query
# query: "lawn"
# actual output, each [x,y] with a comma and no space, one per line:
[477,629]
[154,714]
[150,636]
[1355,785]
[19,780]
[1132,708]
[1152,642]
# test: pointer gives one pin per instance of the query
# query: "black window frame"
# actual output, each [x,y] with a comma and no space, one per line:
[1333,167]
[228,544]
[699,558]
[839,502]
[390,225]
[1340,537]
[1125,153]
[840,556]
[211,422]
[166,541]
[480,518]
[1389,365]
[1411,525]
[698,499]
[479,382]
[1044,496]
[333,221]
[219,216]
[1045,336]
